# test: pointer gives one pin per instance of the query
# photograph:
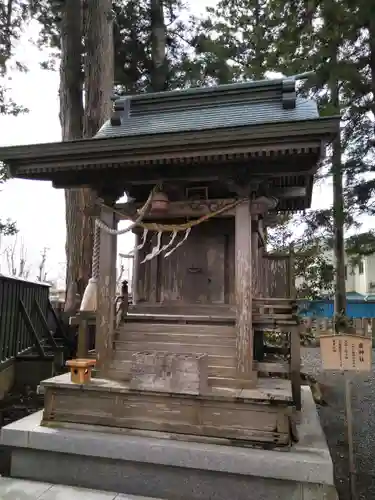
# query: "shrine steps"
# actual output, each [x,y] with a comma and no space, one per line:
[121,370]
[215,340]
[178,348]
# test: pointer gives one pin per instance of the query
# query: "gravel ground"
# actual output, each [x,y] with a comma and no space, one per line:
[332,417]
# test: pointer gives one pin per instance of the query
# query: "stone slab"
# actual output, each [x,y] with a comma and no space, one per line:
[169,483]
[20,489]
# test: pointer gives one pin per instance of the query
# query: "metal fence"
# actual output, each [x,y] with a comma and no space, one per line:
[24,306]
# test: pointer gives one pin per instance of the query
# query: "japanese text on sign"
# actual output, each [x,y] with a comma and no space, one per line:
[346,352]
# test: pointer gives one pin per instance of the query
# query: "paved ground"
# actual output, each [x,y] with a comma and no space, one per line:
[333,421]
[15,489]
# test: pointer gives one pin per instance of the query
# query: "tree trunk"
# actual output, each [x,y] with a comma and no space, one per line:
[338,207]
[98,74]
[158,47]
[99,65]
[71,119]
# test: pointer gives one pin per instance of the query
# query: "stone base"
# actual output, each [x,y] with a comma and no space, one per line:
[167,468]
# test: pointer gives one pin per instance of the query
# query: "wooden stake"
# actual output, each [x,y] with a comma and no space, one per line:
[349,423]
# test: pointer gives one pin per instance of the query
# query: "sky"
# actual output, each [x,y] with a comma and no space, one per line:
[36,206]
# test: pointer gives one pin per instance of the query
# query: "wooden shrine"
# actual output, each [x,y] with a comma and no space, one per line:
[189,356]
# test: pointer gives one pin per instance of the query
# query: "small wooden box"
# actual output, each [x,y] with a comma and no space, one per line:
[346,352]
[80,370]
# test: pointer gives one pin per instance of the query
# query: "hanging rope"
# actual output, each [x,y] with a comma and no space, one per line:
[155,226]
[89,299]
[96,252]
[160,228]
[90,296]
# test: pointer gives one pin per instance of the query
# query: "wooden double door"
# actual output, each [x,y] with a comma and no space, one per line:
[200,271]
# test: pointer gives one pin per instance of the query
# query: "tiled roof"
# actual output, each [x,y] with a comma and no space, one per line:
[223,106]
[210,117]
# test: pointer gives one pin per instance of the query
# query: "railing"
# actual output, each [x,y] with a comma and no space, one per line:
[24,305]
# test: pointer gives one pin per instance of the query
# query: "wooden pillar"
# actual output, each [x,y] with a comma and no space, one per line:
[243,288]
[255,255]
[106,294]
[135,271]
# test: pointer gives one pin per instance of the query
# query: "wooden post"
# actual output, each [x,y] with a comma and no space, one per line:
[255,254]
[295,366]
[135,271]
[82,344]
[106,294]
[243,290]
[349,424]
[291,273]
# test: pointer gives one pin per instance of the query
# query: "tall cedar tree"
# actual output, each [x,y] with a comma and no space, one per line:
[84,37]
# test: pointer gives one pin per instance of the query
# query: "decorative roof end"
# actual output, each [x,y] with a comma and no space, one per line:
[121,110]
[289,94]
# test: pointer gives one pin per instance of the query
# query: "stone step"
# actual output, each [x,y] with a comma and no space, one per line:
[120,370]
[180,337]
[216,350]
[195,329]
[213,360]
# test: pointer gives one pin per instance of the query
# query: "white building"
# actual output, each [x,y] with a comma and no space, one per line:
[361,278]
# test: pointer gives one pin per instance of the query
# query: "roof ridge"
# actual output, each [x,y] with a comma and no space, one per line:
[282,90]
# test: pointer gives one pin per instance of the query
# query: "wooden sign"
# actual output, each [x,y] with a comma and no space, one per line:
[346,352]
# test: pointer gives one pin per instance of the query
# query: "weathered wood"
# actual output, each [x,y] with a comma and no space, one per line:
[196,329]
[178,338]
[106,293]
[176,347]
[295,366]
[213,359]
[135,274]
[187,311]
[231,414]
[243,284]
[194,274]
[120,370]
[178,209]
[276,275]
[165,372]
[83,336]
[255,255]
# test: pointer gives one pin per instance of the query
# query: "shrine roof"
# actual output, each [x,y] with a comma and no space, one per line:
[207,128]
[253,103]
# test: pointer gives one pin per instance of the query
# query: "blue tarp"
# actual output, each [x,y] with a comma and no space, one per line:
[357,307]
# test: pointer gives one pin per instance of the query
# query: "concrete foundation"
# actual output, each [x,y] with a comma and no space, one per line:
[171,469]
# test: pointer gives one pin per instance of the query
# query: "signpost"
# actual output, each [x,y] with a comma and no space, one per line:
[348,353]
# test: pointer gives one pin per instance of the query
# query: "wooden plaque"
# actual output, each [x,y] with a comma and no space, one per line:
[346,352]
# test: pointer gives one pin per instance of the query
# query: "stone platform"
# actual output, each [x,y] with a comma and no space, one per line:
[158,465]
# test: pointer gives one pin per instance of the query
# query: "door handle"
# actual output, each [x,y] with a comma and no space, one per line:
[195,270]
